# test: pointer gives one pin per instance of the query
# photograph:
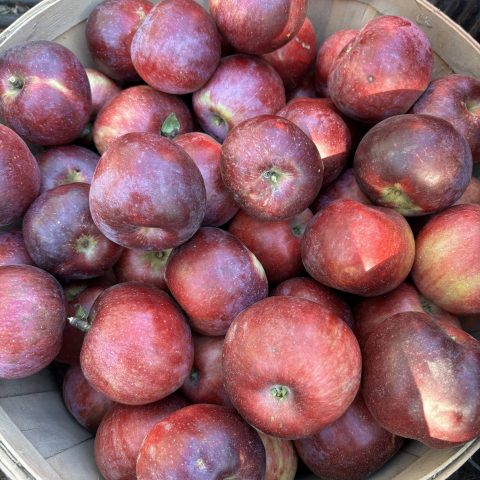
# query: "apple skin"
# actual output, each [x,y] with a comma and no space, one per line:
[305,88]
[447,264]
[471,194]
[138,109]
[44,91]
[309,289]
[318,118]
[294,59]
[271,167]
[33,299]
[291,367]
[12,249]
[206,153]
[177,47]
[147,193]
[351,448]
[421,380]
[358,249]
[281,458]
[122,432]
[258,27]
[199,275]
[455,98]
[66,164]
[204,384]
[416,164]
[103,89]
[61,237]
[220,104]
[275,244]
[19,176]
[109,32]
[365,87]
[201,442]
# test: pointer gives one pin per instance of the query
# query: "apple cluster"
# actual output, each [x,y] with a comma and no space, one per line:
[244,248]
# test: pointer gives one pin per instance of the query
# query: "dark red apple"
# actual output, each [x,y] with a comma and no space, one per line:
[271,167]
[177,47]
[147,193]
[421,382]
[44,92]
[12,249]
[139,347]
[32,317]
[66,164]
[357,248]
[19,176]
[122,432]
[241,88]
[110,28]
[103,89]
[214,277]
[471,194]
[201,442]
[455,98]
[291,366]
[281,458]
[447,264]
[351,448]
[256,26]
[206,153]
[275,244]
[61,237]
[382,71]
[305,88]
[141,109]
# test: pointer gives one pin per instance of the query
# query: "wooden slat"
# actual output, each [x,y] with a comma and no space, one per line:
[414,448]
[41,382]
[394,466]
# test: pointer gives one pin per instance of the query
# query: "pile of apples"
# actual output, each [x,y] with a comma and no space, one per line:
[272,253]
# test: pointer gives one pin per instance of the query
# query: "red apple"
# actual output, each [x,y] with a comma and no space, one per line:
[421,382]
[44,91]
[241,88]
[177,47]
[281,458]
[214,277]
[32,317]
[275,244]
[255,26]
[147,193]
[103,89]
[205,152]
[471,194]
[201,442]
[447,264]
[110,28]
[367,87]
[12,249]
[291,366]
[272,168]
[416,164]
[141,109]
[305,88]
[357,248]
[351,448]
[122,432]
[139,347]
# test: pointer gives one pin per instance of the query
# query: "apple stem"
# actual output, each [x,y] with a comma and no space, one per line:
[80,319]
[16,82]
[170,127]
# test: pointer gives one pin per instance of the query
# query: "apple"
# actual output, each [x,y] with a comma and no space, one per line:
[12,249]
[138,348]
[291,367]
[32,317]
[141,109]
[110,28]
[44,91]
[447,264]
[206,153]
[367,87]
[255,26]
[271,167]
[241,88]
[276,244]
[358,249]
[201,441]
[351,448]
[421,380]
[471,194]
[177,47]
[61,237]
[214,277]
[122,432]
[103,89]
[281,458]
[305,88]
[147,193]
